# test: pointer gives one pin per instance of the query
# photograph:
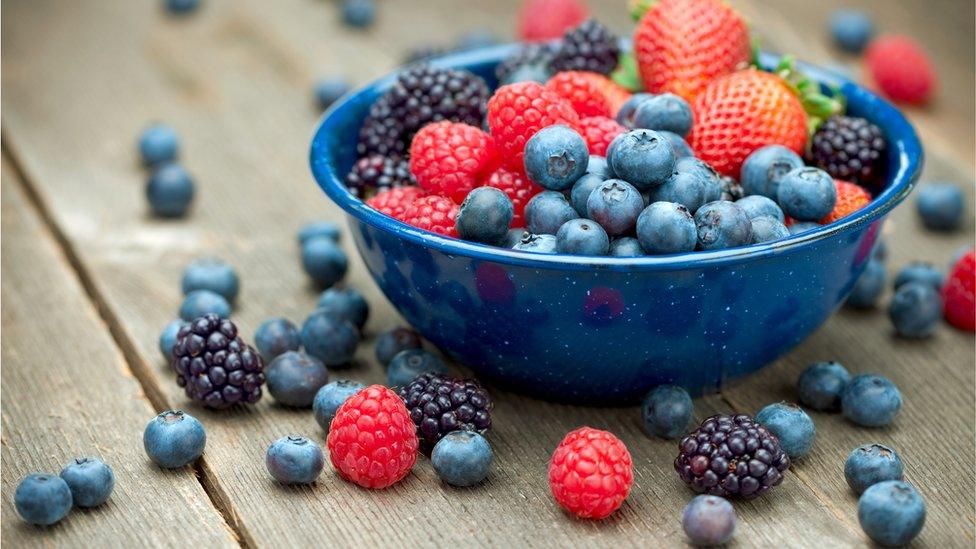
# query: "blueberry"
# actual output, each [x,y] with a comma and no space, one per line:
[173,439]
[200,302]
[870,464]
[625,116]
[347,304]
[158,144]
[915,310]
[182,7]
[324,261]
[597,165]
[547,211]
[803,226]
[643,158]
[688,188]
[667,411]
[42,499]
[90,480]
[329,339]
[665,112]
[461,458]
[626,246]
[919,271]
[329,90]
[513,237]
[169,191]
[870,400]
[391,342]
[868,287]
[851,29]
[294,378]
[537,243]
[821,384]
[615,205]
[409,364]
[713,183]
[891,513]
[807,194]
[330,397]
[765,168]
[168,338]
[485,215]
[791,425]
[315,229]
[940,206]
[666,228]
[758,205]
[767,228]
[582,237]
[276,336]
[294,460]
[555,157]
[582,190]
[211,274]
[722,224]
[358,13]
[708,520]
[535,72]
[680,146]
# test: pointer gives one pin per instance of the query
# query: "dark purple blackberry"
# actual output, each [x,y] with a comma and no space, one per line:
[588,47]
[731,189]
[421,94]
[534,57]
[731,456]
[439,405]
[214,365]
[375,173]
[850,149]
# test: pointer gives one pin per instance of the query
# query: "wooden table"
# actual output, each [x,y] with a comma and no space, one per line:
[89,280]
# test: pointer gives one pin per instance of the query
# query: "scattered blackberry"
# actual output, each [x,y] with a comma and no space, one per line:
[214,365]
[731,456]
[530,55]
[439,405]
[588,47]
[376,173]
[850,149]
[421,94]
[731,189]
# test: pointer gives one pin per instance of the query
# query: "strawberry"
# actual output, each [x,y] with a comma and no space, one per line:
[959,293]
[850,198]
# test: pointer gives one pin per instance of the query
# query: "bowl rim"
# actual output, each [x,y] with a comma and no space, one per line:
[903,142]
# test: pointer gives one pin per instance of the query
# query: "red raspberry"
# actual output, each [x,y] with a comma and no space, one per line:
[850,198]
[394,202]
[372,440]
[581,91]
[959,293]
[901,69]
[519,189]
[540,20]
[517,111]
[590,473]
[448,158]
[432,213]
[599,131]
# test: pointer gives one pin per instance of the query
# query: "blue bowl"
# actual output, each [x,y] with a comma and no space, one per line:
[605,330]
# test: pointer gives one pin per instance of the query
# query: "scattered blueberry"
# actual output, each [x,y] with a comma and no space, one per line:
[891,513]
[807,194]
[803,226]
[211,274]
[294,460]
[324,261]
[722,224]
[615,205]
[919,271]
[555,157]
[391,342]
[276,336]
[625,116]
[708,520]
[547,211]
[409,364]
[330,397]
[294,378]
[461,458]
[868,287]
[158,144]
[582,190]
[765,168]
[315,229]
[680,146]
[665,112]
[485,215]
[598,165]
[329,90]
[582,237]
[870,400]
[915,310]
[870,464]
[821,384]
[170,190]
[643,158]
[667,411]
[168,338]
[182,7]
[791,425]
[537,243]
[200,302]
[173,439]
[851,29]
[626,246]
[880,250]
[347,304]
[666,228]
[758,205]
[90,480]
[358,13]
[688,188]
[42,499]
[766,228]
[329,339]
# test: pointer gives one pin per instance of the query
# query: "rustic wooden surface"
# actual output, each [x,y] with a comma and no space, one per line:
[81,80]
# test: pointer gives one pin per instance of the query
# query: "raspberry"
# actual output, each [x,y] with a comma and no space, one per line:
[616,94]
[588,47]
[850,198]
[590,473]
[959,293]
[599,131]
[517,111]
[372,441]
[449,158]
[582,93]
[540,20]
[439,405]
[519,189]
[432,213]
[394,202]
[901,69]
[378,173]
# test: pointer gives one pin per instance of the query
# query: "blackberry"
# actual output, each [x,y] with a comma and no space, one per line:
[214,365]
[421,94]
[731,456]
[439,405]
[530,55]
[588,47]
[731,189]
[375,173]
[850,149]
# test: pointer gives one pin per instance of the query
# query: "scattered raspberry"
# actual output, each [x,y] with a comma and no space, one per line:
[519,189]
[901,69]
[590,473]
[599,131]
[959,293]
[517,111]
[540,20]
[432,213]
[394,202]
[582,92]
[449,158]
[372,441]
[850,198]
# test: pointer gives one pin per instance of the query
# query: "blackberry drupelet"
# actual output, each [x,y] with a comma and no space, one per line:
[850,149]
[439,404]
[215,366]
[421,94]
[588,47]
[376,173]
[529,55]
[731,456]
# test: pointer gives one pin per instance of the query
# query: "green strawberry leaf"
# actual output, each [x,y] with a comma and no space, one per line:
[639,7]
[627,74]
[818,104]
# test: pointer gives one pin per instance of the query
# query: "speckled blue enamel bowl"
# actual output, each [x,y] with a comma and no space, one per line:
[606,330]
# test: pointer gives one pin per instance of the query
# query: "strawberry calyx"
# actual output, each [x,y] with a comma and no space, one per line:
[818,104]
[639,7]
[627,74]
